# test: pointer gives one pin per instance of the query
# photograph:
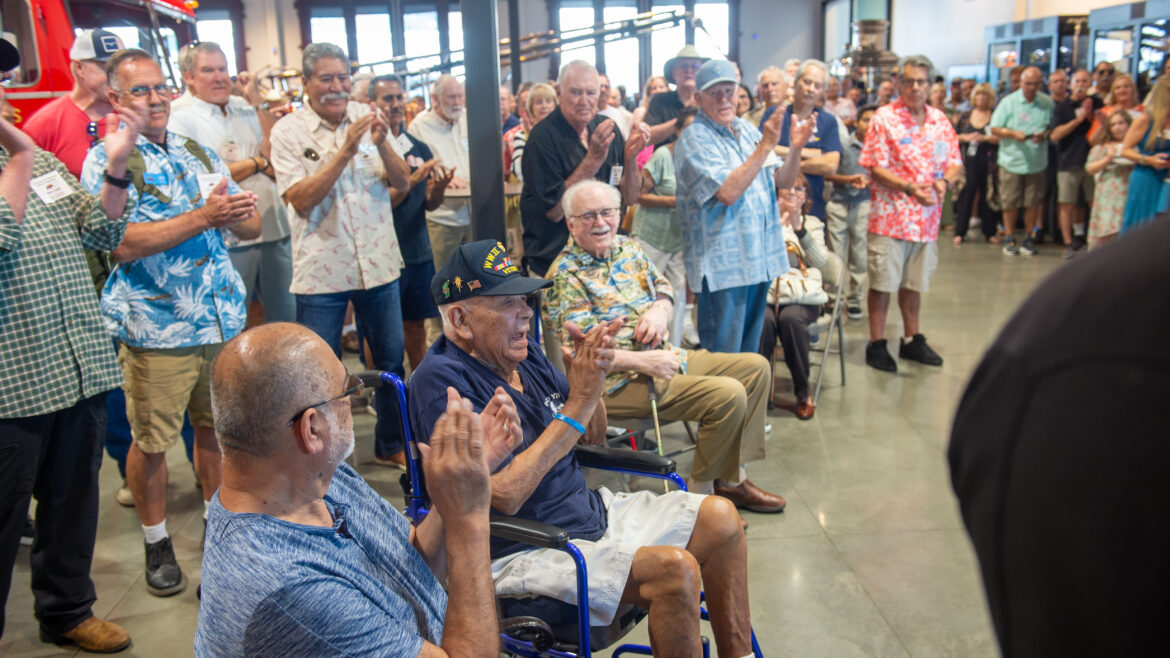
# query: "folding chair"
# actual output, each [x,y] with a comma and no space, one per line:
[525,634]
[835,321]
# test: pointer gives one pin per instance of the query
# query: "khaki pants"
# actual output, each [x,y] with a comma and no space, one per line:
[725,393]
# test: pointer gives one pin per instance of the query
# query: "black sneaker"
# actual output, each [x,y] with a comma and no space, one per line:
[163,575]
[918,350]
[1028,248]
[1010,248]
[877,356]
[854,312]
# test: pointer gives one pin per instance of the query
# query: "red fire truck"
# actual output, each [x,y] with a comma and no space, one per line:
[43,32]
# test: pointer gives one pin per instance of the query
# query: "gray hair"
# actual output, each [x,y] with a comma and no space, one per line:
[124,55]
[917,61]
[439,83]
[569,199]
[385,78]
[252,402]
[809,64]
[575,65]
[316,52]
[770,69]
[189,51]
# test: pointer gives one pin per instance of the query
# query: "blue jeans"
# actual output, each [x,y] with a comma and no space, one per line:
[732,320]
[378,313]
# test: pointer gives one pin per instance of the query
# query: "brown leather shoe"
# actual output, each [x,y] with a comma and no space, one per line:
[805,409]
[397,460]
[750,497]
[93,635]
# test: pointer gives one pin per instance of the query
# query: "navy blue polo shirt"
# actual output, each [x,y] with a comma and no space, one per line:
[562,498]
[824,137]
[410,216]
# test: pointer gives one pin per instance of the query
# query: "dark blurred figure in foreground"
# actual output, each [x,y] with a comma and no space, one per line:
[1059,458]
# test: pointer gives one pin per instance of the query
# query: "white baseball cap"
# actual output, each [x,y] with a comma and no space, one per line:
[95,44]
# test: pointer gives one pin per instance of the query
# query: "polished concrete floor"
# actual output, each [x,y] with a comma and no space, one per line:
[869,559]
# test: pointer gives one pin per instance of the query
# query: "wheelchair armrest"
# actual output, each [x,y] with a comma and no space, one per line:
[611,458]
[525,531]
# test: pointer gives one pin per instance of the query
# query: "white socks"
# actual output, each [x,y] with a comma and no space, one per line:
[155,533]
[706,487]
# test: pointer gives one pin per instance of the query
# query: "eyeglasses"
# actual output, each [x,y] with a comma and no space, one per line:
[353,386]
[592,216]
[91,129]
[142,91]
[916,82]
[1106,71]
[801,190]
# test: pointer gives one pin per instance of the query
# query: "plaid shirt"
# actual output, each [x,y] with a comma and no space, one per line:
[54,350]
[588,290]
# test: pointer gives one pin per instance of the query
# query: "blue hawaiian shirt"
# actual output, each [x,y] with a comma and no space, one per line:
[185,296]
[730,246]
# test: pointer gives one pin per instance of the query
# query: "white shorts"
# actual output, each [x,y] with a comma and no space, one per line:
[635,520]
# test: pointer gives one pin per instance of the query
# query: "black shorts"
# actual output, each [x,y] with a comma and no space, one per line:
[414,286]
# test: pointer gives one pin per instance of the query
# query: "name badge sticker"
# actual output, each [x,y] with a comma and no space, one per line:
[615,175]
[940,150]
[401,145]
[905,140]
[230,151]
[50,187]
[155,178]
[207,183]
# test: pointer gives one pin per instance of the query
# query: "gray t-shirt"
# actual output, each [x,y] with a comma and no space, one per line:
[359,588]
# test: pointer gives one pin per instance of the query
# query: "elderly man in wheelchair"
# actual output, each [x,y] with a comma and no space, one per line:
[602,276]
[656,552]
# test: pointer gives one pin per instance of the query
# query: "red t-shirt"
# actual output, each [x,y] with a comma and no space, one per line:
[59,128]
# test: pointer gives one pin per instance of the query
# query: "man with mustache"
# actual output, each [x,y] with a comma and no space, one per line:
[238,133]
[428,185]
[174,298]
[334,169]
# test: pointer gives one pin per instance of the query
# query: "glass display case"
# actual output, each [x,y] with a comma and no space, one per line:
[1133,38]
[1049,43]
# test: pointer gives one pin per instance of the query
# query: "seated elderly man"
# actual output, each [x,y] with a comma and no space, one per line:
[303,558]
[653,551]
[602,276]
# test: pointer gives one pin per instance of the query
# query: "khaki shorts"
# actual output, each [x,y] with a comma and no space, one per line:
[1069,183]
[896,264]
[160,385]
[1021,190]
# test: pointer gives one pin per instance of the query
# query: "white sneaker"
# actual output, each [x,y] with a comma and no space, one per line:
[690,333]
[124,497]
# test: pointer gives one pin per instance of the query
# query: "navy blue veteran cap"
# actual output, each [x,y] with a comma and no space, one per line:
[481,268]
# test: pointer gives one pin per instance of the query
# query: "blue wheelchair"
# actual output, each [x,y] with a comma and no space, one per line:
[541,627]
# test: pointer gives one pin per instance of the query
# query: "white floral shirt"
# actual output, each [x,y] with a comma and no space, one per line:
[347,242]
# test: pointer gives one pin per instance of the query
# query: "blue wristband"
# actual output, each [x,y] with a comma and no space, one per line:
[570,422]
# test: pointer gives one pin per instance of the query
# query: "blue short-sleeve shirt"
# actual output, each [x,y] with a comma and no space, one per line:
[562,498]
[729,246]
[825,137]
[357,588]
[185,296]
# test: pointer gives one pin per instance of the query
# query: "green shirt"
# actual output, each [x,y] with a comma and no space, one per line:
[1015,113]
[54,350]
[659,226]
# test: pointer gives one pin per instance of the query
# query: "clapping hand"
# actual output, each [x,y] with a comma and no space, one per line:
[800,131]
[600,140]
[502,432]
[591,359]
[120,141]
[455,463]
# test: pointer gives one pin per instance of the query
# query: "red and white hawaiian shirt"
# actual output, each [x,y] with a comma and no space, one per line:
[914,153]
